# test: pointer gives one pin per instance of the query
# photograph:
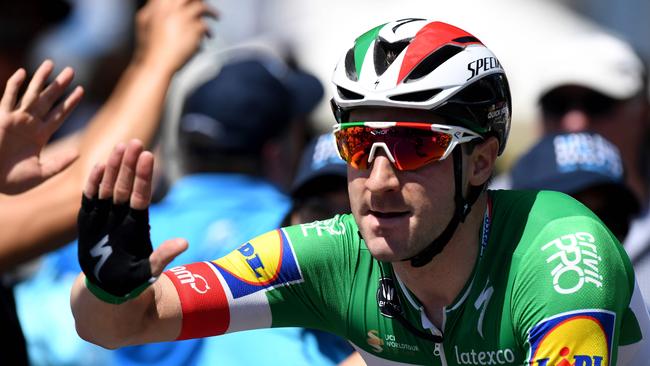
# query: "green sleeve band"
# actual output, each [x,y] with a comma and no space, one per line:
[112,299]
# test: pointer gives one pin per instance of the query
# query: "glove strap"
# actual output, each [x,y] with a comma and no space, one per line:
[116,300]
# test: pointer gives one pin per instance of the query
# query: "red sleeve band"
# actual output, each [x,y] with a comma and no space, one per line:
[203,300]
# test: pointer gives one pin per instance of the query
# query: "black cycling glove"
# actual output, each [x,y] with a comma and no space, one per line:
[114,248]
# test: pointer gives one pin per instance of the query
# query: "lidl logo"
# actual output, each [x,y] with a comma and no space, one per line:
[265,262]
[578,338]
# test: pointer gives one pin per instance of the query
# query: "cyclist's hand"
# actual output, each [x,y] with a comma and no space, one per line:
[169,32]
[26,124]
[115,250]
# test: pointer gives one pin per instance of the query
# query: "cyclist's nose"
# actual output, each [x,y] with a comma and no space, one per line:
[383,175]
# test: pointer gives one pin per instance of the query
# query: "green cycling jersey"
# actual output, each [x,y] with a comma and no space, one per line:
[551,286]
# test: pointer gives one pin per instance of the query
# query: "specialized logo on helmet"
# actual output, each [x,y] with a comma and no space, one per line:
[498,111]
[579,338]
[482,66]
[575,259]
[265,262]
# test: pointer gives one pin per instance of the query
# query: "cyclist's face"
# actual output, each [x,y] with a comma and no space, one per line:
[400,212]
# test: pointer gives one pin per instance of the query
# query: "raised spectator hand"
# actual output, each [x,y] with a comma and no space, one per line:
[114,247]
[26,125]
[170,31]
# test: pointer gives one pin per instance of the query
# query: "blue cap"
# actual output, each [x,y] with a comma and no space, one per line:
[569,163]
[249,102]
[319,161]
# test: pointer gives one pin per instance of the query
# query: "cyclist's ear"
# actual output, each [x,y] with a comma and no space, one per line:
[481,161]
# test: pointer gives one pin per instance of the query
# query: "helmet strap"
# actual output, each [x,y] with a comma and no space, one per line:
[462,209]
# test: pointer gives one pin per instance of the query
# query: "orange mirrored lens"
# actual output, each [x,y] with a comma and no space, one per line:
[412,148]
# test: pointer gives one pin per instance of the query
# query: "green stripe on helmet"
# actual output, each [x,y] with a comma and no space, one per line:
[361,45]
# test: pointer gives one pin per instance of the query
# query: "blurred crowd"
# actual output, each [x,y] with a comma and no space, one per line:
[239,153]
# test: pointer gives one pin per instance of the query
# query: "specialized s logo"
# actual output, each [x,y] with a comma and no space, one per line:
[577,262]
[578,338]
[265,262]
[102,251]
[482,303]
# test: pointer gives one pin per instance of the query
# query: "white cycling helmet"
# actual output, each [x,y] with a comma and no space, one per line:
[429,65]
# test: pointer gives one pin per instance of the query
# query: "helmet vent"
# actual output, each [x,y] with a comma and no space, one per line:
[420,96]
[466,39]
[350,67]
[431,62]
[348,94]
[479,92]
[386,53]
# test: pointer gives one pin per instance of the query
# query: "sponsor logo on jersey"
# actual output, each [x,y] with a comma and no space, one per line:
[578,338]
[482,302]
[265,262]
[377,342]
[576,260]
[187,278]
[203,301]
[374,341]
[473,357]
[331,226]
[387,298]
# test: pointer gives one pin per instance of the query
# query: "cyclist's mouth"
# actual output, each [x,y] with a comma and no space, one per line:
[389,215]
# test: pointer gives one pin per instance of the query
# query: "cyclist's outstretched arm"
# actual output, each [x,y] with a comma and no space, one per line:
[43,218]
[125,262]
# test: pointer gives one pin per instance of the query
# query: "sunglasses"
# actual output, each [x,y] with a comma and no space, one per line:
[408,145]
[591,103]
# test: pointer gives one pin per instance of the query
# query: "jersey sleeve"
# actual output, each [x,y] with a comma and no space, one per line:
[295,276]
[571,288]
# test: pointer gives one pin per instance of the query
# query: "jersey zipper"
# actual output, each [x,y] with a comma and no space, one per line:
[441,353]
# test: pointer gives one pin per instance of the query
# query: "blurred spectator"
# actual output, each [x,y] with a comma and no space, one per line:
[585,166]
[319,192]
[96,39]
[229,128]
[43,218]
[596,82]
[27,120]
[320,189]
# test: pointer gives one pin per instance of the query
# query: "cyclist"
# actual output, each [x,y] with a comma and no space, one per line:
[429,268]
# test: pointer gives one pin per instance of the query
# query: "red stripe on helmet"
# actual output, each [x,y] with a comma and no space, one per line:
[427,40]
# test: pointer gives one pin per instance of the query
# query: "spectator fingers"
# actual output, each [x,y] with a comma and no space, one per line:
[53,91]
[61,111]
[10,96]
[36,85]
